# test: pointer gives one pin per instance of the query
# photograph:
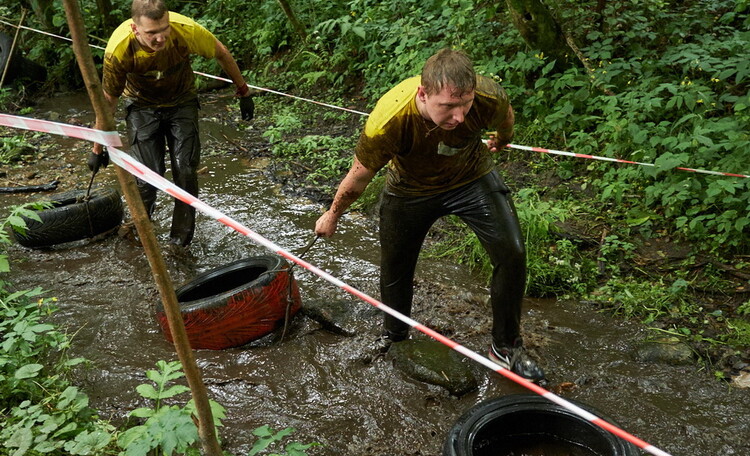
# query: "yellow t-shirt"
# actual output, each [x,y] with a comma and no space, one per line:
[423,161]
[162,78]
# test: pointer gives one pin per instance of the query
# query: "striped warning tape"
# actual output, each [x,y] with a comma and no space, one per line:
[108,138]
[139,170]
[617,160]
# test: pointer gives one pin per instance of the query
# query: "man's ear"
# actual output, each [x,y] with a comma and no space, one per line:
[134,28]
[421,94]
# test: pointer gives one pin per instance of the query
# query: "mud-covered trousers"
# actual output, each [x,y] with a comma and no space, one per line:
[487,208]
[153,131]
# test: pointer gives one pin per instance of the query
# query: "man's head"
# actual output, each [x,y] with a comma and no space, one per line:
[446,93]
[151,23]
[449,68]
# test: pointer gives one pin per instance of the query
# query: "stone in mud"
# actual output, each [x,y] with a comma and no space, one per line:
[669,350]
[346,318]
[431,362]
[742,380]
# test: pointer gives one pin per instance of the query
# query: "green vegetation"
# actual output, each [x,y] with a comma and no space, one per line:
[659,82]
[42,412]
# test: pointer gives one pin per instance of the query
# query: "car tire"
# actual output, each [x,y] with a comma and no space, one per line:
[510,424]
[235,304]
[73,218]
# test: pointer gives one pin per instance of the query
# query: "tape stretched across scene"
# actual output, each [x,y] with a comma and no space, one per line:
[136,168]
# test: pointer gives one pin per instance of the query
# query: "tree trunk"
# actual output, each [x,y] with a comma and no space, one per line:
[109,22]
[43,11]
[540,30]
[298,27]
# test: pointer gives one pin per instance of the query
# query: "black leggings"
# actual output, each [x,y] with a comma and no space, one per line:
[151,131]
[487,208]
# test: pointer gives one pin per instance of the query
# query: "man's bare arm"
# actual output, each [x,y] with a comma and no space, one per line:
[350,188]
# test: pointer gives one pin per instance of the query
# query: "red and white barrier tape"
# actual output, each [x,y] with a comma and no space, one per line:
[139,170]
[617,160]
[108,138]
[512,146]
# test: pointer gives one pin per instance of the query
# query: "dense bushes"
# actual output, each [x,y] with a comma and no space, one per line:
[663,83]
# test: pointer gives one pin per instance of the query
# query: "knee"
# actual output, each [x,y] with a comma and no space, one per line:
[508,253]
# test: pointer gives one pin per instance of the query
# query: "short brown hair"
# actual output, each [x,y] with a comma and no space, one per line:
[449,67]
[152,9]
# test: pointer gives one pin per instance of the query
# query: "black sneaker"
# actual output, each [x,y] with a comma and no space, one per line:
[517,361]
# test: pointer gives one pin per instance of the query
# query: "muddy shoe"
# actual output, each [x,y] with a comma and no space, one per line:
[517,361]
[379,348]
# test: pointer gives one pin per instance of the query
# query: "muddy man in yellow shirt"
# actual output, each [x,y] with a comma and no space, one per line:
[147,63]
[428,130]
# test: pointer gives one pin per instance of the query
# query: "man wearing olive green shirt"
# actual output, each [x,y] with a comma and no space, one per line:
[428,131]
[147,62]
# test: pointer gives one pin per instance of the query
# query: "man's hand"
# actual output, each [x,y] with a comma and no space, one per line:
[247,106]
[100,159]
[326,224]
[495,144]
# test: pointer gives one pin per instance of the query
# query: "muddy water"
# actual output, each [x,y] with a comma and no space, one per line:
[318,382]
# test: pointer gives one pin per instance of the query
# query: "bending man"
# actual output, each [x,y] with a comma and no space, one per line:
[428,130]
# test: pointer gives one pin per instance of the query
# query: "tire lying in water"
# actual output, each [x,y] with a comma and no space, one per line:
[531,424]
[72,218]
[236,303]
[20,67]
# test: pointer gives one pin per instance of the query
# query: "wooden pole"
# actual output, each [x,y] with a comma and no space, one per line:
[105,121]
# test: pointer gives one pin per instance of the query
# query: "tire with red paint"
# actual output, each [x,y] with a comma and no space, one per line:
[235,304]
[531,424]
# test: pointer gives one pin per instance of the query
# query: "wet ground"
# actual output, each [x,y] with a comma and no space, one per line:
[319,382]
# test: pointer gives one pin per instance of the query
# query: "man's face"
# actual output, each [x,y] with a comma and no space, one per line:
[447,109]
[152,34]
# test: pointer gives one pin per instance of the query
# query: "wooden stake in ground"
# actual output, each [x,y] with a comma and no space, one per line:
[106,122]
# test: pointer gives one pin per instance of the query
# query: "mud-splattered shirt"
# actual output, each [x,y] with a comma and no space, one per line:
[423,160]
[162,78]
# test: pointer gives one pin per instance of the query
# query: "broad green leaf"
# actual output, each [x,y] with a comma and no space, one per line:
[87,443]
[142,412]
[173,391]
[147,391]
[28,371]
[21,440]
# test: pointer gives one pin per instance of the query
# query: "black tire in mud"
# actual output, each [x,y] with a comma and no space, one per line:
[20,67]
[71,218]
[528,424]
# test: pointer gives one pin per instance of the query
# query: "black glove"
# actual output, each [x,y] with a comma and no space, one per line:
[247,107]
[97,160]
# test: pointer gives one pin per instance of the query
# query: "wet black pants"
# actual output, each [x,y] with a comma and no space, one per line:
[151,132]
[487,208]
